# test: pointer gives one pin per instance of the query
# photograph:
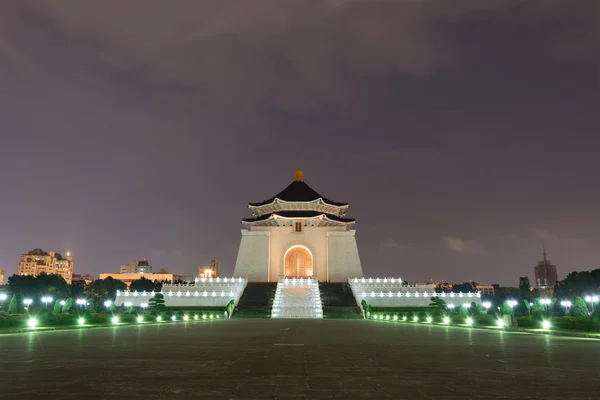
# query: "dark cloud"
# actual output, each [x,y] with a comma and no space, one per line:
[149,125]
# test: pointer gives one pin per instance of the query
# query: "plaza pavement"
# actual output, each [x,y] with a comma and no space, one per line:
[281,359]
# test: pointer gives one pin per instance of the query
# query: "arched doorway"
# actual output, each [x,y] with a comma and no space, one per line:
[298,263]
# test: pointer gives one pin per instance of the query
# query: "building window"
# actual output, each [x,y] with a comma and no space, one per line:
[298,226]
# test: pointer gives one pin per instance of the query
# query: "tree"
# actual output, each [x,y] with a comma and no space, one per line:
[579,308]
[527,306]
[143,284]
[537,307]
[506,309]
[78,289]
[439,304]
[57,307]
[578,284]
[157,302]
[68,305]
[13,307]
[465,287]
[476,309]
[104,289]
[38,286]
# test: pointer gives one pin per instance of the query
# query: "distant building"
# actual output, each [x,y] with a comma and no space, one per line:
[128,268]
[87,278]
[486,290]
[209,271]
[164,271]
[143,267]
[546,274]
[184,278]
[38,261]
[1,277]
[128,278]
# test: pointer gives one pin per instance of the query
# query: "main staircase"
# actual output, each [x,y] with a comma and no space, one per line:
[297,298]
[256,301]
[338,301]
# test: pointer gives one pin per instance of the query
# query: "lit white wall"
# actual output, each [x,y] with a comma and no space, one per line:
[253,256]
[342,256]
[392,293]
[204,293]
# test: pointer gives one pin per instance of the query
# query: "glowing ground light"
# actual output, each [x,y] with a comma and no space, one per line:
[446,320]
[203,316]
[159,318]
[81,321]
[186,318]
[395,318]
[140,319]
[173,318]
[211,316]
[387,317]
[115,320]
[32,322]
[416,319]
[500,323]
[429,319]
[469,321]
[546,324]
[195,317]
[404,318]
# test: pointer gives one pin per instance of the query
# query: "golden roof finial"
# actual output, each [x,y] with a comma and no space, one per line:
[299,175]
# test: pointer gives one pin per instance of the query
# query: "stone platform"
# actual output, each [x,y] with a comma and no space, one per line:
[291,359]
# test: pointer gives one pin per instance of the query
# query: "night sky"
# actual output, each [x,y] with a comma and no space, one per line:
[460,132]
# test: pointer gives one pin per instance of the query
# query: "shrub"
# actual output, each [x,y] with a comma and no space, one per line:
[13,307]
[579,308]
[68,305]
[537,317]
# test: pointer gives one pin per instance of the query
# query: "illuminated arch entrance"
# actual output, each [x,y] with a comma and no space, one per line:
[298,262]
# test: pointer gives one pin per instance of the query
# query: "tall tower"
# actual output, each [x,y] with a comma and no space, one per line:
[545,273]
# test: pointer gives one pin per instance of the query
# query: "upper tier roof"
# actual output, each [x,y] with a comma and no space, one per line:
[298,191]
[299,214]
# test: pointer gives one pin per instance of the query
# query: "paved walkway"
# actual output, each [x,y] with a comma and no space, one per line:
[250,359]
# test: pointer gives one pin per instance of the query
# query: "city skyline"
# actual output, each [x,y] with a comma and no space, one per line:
[121,141]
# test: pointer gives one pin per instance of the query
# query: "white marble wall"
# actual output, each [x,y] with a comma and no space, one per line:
[216,292]
[379,292]
[343,260]
[253,256]
[261,256]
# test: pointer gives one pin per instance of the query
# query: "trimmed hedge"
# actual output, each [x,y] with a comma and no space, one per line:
[586,324]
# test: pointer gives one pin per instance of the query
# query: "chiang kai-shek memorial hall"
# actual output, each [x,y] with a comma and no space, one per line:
[298,234]
[297,259]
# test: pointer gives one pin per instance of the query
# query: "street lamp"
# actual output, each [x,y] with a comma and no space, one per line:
[81,302]
[486,305]
[466,305]
[3,296]
[46,300]
[511,303]
[62,302]
[591,299]
[566,304]
[27,302]
[144,305]
[450,306]
[107,303]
